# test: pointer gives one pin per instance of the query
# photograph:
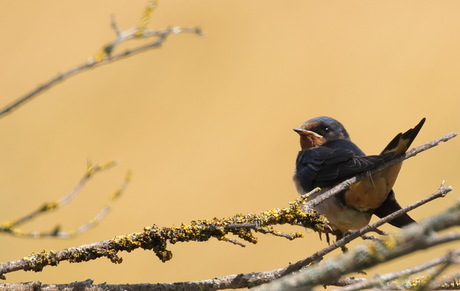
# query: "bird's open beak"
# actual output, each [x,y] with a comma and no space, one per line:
[303,131]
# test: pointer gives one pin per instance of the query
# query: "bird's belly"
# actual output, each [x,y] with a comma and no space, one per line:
[340,216]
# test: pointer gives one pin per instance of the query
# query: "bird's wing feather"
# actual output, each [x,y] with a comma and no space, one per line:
[323,166]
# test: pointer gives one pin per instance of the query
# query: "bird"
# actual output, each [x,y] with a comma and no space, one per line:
[328,157]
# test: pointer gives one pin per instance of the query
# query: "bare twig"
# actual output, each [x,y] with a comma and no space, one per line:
[11,226]
[105,56]
[99,216]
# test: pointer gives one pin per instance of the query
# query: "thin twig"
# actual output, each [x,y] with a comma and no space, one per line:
[102,214]
[11,226]
[104,57]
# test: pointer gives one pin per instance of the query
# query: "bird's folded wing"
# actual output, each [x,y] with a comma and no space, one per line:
[322,166]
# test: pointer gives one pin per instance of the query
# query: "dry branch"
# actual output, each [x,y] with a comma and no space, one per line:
[105,55]
[415,237]
[258,278]
[12,226]
[381,279]
[156,238]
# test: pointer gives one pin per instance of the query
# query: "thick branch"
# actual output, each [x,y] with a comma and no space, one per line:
[406,272]
[156,238]
[257,278]
[441,192]
[415,237]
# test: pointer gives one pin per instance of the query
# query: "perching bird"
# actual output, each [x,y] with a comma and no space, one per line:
[328,156]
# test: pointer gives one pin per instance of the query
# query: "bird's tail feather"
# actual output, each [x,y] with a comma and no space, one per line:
[401,142]
[388,207]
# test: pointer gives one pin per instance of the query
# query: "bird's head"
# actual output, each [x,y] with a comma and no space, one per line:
[319,130]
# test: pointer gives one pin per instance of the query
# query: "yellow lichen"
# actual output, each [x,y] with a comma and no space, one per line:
[49,206]
[8,224]
[390,241]
[146,16]
[156,238]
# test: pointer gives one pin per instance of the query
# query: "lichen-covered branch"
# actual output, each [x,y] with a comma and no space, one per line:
[415,237]
[258,278]
[156,238]
[384,278]
[441,192]
[12,226]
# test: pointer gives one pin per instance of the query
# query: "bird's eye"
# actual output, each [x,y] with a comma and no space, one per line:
[326,129]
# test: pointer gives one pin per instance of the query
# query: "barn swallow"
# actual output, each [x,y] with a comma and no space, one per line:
[328,157]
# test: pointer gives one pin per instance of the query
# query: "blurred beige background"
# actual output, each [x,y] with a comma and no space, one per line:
[205,124]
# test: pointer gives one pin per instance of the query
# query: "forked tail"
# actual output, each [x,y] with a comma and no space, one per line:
[401,142]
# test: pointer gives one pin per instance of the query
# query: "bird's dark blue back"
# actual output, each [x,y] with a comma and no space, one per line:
[344,145]
[331,163]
